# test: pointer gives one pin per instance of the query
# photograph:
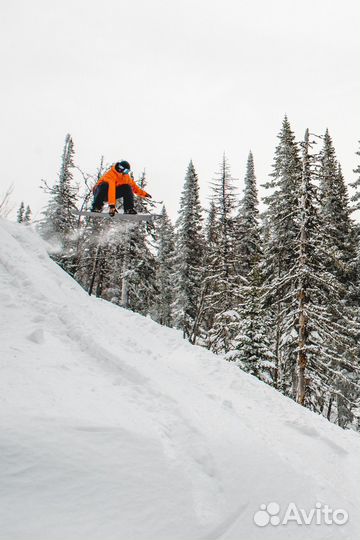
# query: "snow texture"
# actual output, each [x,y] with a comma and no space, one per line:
[115,428]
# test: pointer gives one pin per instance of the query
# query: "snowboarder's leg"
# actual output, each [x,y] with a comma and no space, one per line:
[100,196]
[126,192]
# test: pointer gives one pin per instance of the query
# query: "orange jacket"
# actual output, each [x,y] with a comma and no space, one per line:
[115,179]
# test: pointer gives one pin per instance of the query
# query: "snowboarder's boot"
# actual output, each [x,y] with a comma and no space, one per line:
[130,211]
[95,209]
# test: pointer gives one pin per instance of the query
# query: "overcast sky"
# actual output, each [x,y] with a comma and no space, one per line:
[160,82]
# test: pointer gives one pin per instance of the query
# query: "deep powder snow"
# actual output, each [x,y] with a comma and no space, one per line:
[115,428]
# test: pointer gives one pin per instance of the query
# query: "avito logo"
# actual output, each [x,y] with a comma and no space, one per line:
[269,514]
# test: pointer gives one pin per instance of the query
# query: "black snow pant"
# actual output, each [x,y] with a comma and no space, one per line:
[101,195]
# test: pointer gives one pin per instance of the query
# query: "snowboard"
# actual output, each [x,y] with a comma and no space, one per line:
[135,218]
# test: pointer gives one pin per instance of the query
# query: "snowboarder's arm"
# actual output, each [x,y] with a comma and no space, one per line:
[138,191]
[112,191]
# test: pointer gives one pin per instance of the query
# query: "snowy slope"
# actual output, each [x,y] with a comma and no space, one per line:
[113,427]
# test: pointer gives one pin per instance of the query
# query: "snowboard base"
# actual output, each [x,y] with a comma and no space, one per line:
[120,217]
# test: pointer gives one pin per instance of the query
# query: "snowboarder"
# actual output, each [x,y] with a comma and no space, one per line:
[116,183]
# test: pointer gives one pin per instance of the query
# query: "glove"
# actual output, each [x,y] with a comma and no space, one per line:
[112,211]
[148,196]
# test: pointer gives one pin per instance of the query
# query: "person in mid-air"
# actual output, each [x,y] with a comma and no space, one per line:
[117,183]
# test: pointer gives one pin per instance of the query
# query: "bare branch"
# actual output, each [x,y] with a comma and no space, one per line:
[5,203]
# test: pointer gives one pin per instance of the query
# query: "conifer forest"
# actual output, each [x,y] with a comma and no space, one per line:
[275,291]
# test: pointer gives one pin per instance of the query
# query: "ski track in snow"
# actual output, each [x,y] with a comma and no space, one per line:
[114,427]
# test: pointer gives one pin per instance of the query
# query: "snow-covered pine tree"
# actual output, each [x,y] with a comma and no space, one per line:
[20,216]
[341,259]
[189,258]
[138,272]
[27,215]
[350,244]
[336,213]
[24,215]
[111,253]
[316,291]
[248,243]
[90,250]
[163,310]
[207,312]
[281,250]
[308,214]
[224,296]
[355,199]
[211,226]
[59,223]
[313,307]
[356,186]
[252,351]
[252,348]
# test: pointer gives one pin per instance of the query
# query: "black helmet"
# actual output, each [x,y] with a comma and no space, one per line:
[123,166]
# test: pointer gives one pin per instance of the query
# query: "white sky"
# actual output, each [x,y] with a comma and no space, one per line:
[161,82]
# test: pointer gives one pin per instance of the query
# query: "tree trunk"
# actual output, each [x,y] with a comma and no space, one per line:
[92,281]
[125,269]
[302,335]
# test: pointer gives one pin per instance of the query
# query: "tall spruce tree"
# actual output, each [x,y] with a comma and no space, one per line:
[356,208]
[90,250]
[165,271]
[341,262]
[189,257]
[59,222]
[224,294]
[356,186]
[207,310]
[281,250]
[336,212]
[316,332]
[248,243]
[317,294]
[252,350]
[139,264]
